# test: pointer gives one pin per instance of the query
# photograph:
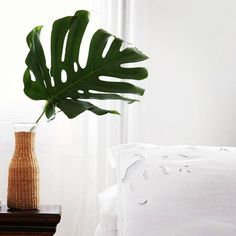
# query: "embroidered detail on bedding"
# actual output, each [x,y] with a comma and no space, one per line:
[143,203]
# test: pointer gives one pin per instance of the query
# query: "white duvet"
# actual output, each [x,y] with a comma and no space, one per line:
[176,191]
[107,225]
[103,232]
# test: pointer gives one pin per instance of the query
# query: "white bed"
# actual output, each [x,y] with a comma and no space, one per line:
[108,212]
[103,232]
[175,190]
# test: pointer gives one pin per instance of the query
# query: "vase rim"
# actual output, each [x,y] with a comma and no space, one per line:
[25,127]
[25,123]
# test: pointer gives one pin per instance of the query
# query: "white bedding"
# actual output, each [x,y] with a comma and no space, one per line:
[176,191]
[107,225]
[101,232]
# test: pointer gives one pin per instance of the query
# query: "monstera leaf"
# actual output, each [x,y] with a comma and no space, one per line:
[71,93]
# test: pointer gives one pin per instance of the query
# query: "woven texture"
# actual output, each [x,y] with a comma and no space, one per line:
[23,176]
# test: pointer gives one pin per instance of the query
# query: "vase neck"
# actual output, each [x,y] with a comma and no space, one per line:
[24,140]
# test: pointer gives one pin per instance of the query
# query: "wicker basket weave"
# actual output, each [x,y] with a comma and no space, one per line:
[23,176]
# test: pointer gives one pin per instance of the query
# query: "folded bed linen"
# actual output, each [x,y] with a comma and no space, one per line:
[176,190]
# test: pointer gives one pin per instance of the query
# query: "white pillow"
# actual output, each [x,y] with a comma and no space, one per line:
[176,191]
[108,212]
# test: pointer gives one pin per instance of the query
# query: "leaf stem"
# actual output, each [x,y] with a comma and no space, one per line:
[37,121]
[41,115]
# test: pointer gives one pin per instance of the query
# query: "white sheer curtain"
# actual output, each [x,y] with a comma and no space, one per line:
[72,153]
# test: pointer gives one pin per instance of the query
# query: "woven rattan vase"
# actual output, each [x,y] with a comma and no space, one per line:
[23,175]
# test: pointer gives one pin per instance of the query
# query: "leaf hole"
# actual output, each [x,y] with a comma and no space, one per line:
[107,47]
[125,45]
[69,98]
[80,91]
[63,54]
[131,65]
[125,65]
[85,45]
[32,77]
[44,83]
[52,82]
[108,79]
[63,76]
[76,68]
[94,91]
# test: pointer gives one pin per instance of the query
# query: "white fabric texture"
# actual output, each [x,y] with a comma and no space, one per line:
[178,190]
[100,232]
[108,212]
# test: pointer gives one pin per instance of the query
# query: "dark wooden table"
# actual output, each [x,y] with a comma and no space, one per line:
[40,222]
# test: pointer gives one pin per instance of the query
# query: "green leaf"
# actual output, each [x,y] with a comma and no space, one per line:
[73,108]
[69,94]
[33,89]
[49,110]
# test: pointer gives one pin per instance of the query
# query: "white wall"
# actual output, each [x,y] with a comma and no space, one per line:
[191,91]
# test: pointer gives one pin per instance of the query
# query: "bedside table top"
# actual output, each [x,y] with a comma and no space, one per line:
[44,209]
[42,220]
